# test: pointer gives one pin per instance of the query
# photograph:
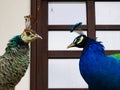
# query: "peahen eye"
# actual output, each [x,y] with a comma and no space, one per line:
[28,33]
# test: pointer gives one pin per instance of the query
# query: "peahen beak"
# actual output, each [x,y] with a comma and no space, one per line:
[38,36]
[71,45]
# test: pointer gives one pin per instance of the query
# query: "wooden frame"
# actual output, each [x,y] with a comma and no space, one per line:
[39,51]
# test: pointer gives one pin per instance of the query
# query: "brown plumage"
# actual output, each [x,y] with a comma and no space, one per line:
[14,62]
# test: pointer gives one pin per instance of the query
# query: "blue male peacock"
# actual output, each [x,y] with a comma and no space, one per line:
[14,62]
[101,72]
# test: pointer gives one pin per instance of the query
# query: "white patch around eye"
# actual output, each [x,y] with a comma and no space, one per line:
[80,40]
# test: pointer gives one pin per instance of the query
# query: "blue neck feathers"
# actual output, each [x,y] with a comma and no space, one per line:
[92,46]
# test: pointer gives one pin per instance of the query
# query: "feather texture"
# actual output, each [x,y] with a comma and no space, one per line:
[13,63]
[98,70]
[116,56]
[101,72]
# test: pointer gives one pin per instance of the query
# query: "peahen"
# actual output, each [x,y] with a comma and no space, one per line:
[101,72]
[14,62]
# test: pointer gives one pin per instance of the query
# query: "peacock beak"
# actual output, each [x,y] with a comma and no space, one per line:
[71,45]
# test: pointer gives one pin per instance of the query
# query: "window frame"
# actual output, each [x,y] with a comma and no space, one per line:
[39,48]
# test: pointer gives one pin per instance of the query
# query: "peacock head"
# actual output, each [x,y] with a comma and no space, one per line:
[29,35]
[79,41]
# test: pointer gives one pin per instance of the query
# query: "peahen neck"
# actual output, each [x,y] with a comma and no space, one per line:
[16,58]
[16,43]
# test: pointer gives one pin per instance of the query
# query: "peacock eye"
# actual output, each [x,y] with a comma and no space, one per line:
[28,33]
[75,41]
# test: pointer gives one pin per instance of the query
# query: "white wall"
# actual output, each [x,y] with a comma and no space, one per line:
[12,14]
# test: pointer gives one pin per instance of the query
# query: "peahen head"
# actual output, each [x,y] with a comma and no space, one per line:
[29,35]
[80,41]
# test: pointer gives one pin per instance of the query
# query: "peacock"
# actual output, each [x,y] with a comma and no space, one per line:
[100,71]
[15,61]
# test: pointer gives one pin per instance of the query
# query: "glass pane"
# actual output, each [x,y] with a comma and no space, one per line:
[66,12]
[107,12]
[64,73]
[59,40]
[110,39]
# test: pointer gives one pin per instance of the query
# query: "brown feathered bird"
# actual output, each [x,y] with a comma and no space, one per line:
[14,62]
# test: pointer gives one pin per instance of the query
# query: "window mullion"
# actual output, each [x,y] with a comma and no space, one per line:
[90,6]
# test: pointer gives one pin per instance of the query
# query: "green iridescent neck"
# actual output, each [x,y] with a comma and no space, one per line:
[15,41]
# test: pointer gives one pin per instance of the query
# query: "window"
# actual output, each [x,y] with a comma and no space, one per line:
[64,13]
[53,66]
